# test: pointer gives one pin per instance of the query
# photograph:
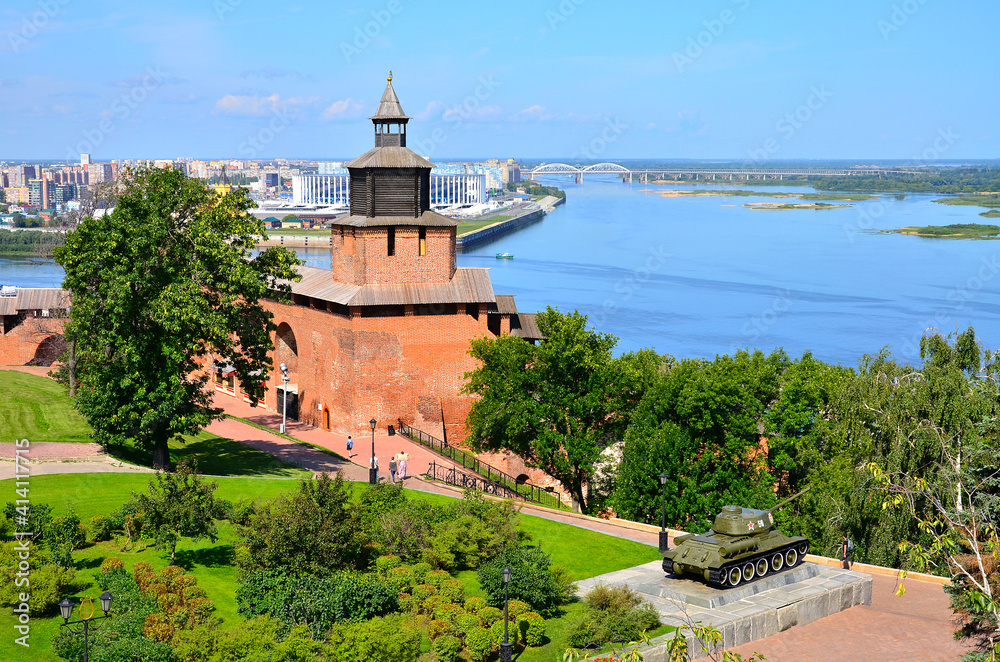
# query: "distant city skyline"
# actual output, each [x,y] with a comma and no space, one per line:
[732,79]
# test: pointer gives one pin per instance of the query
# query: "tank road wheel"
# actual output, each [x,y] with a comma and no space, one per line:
[734,576]
[748,571]
[777,562]
[668,566]
[791,557]
[803,550]
[761,566]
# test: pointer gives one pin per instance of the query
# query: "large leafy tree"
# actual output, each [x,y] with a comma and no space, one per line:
[702,424]
[558,405]
[166,279]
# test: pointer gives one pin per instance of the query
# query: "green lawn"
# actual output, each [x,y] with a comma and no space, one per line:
[217,456]
[38,409]
[471,226]
[585,553]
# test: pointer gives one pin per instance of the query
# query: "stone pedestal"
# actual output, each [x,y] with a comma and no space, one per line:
[745,613]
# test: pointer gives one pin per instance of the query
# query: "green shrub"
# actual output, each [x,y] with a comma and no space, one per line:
[496,632]
[437,577]
[564,583]
[448,612]
[532,628]
[432,603]
[480,644]
[388,639]
[454,590]
[613,615]
[407,603]
[318,602]
[100,528]
[242,512]
[446,648]
[399,578]
[531,581]
[489,615]
[111,563]
[420,571]
[516,608]
[423,591]
[384,564]
[466,622]
[437,628]
[473,605]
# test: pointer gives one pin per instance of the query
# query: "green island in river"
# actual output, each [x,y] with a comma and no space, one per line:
[792,205]
[981,200]
[819,196]
[993,213]
[954,231]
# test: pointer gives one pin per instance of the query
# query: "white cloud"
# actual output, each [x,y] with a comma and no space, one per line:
[534,113]
[346,108]
[650,126]
[63,110]
[247,105]
[429,111]
[466,113]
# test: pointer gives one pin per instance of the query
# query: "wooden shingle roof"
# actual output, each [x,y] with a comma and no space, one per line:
[470,285]
[390,156]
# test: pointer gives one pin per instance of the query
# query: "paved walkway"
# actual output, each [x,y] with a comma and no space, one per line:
[385,446]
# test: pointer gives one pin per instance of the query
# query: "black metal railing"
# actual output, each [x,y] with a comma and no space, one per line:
[453,476]
[524,491]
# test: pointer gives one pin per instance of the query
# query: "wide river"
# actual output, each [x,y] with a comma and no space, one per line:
[700,276]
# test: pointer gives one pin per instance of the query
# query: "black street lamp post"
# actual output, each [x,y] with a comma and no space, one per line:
[372,471]
[506,648]
[664,541]
[66,611]
[284,391]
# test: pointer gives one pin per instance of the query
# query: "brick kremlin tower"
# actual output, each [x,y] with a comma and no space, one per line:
[385,332]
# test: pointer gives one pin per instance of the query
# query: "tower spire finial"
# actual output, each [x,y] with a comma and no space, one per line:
[390,76]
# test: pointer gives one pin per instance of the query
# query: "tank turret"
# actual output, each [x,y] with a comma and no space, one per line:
[741,546]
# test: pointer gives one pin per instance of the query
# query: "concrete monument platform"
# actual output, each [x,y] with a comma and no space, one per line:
[745,613]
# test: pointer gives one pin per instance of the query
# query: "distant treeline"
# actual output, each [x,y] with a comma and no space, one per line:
[29,242]
[937,180]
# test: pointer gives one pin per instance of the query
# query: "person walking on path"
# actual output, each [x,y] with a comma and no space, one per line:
[350,447]
[375,467]
[392,469]
[402,466]
[846,549]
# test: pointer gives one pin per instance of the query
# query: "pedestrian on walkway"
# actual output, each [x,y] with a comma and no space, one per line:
[350,447]
[402,467]
[846,549]
[375,467]
[392,469]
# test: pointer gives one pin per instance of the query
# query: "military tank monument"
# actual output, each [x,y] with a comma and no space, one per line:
[742,546]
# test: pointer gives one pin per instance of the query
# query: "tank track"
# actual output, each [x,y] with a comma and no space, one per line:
[719,577]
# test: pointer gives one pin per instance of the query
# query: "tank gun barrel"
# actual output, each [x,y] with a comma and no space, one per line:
[789,499]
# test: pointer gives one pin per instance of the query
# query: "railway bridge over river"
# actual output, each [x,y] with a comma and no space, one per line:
[646,174]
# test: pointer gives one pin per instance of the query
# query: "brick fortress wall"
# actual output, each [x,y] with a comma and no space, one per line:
[410,367]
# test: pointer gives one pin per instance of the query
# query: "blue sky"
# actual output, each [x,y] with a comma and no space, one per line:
[731,79]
